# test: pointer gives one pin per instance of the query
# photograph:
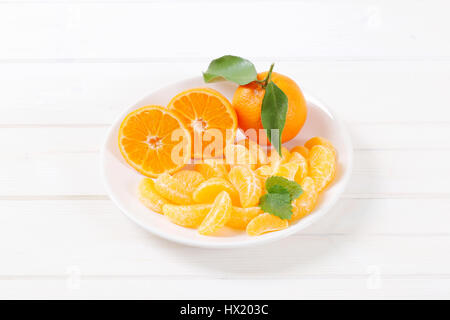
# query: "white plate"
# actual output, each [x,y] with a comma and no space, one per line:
[121,180]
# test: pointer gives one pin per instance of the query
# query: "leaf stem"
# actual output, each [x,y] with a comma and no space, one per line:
[269,74]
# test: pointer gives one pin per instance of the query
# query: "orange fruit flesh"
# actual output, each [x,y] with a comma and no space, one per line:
[146,143]
[319,141]
[218,216]
[304,204]
[150,197]
[207,191]
[239,155]
[302,170]
[265,222]
[322,166]
[211,168]
[247,184]
[190,216]
[171,189]
[190,179]
[240,217]
[256,152]
[207,114]
[304,151]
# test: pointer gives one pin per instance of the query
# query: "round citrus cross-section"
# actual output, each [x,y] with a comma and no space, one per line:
[209,117]
[153,141]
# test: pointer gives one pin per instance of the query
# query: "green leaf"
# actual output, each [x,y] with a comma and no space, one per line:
[276,188]
[278,204]
[276,184]
[232,68]
[273,114]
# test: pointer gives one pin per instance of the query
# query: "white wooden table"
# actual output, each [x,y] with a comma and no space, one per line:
[67,68]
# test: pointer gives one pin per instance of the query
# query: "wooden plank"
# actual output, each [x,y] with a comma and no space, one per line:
[88,139]
[382,173]
[95,93]
[396,159]
[166,288]
[345,30]
[392,236]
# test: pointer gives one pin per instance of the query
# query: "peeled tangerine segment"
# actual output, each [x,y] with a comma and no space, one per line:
[212,168]
[150,197]
[275,158]
[296,164]
[171,189]
[190,216]
[218,216]
[304,204]
[255,150]
[248,185]
[319,141]
[190,179]
[237,154]
[302,170]
[275,161]
[322,166]
[304,151]
[265,170]
[240,217]
[207,191]
[266,222]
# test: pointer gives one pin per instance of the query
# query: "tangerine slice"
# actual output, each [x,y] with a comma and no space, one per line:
[319,141]
[322,166]
[190,179]
[150,197]
[240,217]
[239,155]
[302,170]
[265,222]
[146,142]
[205,113]
[218,216]
[255,150]
[274,157]
[211,168]
[207,191]
[171,189]
[190,216]
[265,171]
[248,185]
[275,160]
[304,151]
[290,168]
[304,204]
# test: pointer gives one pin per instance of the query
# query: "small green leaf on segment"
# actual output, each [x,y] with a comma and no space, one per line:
[275,184]
[278,204]
[273,114]
[232,68]
[278,189]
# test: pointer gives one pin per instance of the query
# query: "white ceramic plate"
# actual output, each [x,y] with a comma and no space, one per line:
[121,180]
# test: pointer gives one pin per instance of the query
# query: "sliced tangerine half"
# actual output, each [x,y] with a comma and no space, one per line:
[153,141]
[206,113]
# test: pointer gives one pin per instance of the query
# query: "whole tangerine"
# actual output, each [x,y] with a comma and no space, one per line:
[247,101]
